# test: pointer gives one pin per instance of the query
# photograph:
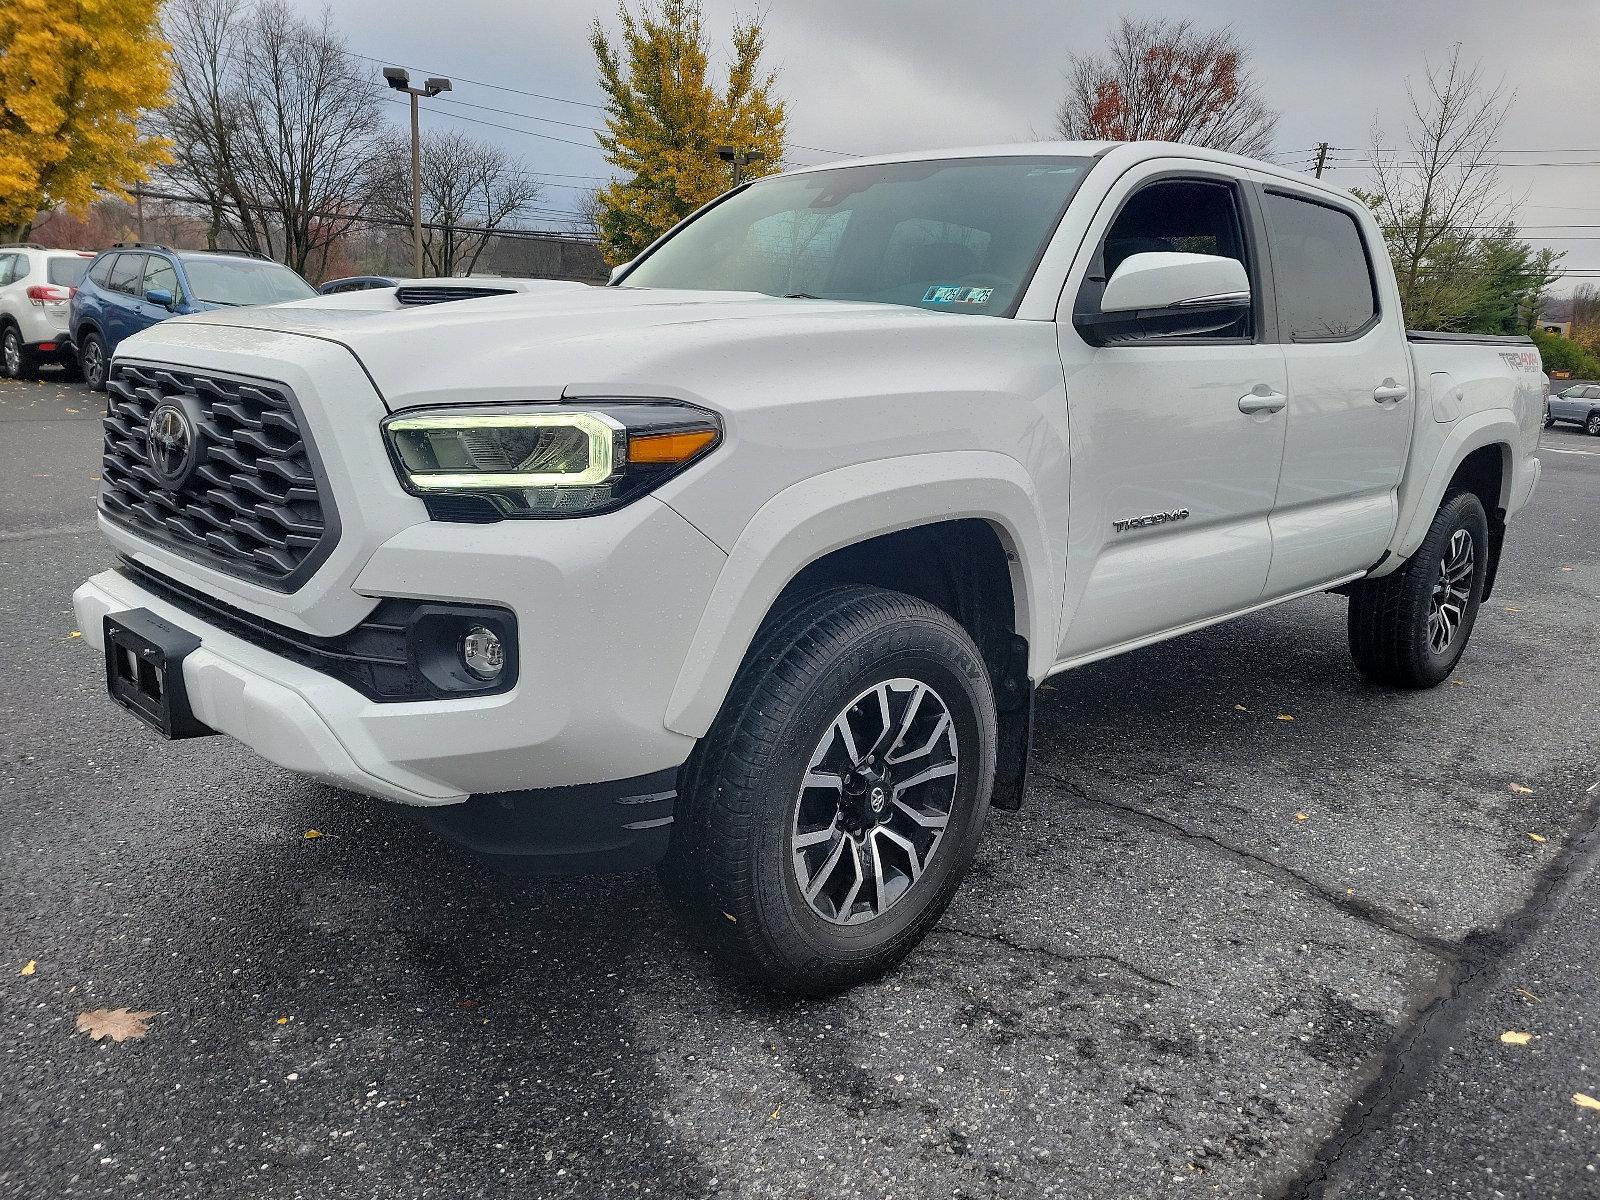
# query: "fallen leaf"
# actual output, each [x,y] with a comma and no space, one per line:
[1302,816]
[118,1024]
[313,833]
[1285,717]
[1566,568]
[1520,789]
[775,1112]
[1513,610]
[76,633]
[1522,991]
[731,917]
[1584,1100]
[1538,837]
[1240,708]
[1459,682]
[1514,1037]
[29,967]
[283,1020]
[466,1002]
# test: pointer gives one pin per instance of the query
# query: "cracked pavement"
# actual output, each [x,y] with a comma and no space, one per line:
[1216,954]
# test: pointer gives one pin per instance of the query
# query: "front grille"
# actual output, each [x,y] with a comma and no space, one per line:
[441,293]
[251,502]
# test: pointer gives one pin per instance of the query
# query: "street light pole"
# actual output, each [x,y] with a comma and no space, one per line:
[400,80]
[740,159]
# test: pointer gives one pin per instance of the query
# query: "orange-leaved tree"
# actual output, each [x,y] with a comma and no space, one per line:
[74,78]
[666,120]
[1166,80]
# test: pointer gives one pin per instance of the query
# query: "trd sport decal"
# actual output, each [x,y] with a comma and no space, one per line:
[1160,518]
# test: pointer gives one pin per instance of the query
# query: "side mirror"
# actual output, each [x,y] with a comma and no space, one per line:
[161,296]
[1166,295]
[618,271]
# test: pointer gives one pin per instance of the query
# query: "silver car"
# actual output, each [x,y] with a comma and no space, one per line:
[1578,403]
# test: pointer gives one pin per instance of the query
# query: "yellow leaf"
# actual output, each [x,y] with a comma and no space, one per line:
[1520,789]
[313,833]
[118,1024]
[1513,610]
[1584,1100]
[731,917]
[1538,837]
[1285,717]
[1513,1037]
[1302,816]
[28,967]
[76,633]
[775,1113]
[283,1020]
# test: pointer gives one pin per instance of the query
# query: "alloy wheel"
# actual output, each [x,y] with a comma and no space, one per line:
[1448,604]
[13,353]
[876,800]
[93,363]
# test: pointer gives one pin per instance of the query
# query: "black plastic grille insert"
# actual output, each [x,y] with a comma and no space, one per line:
[253,505]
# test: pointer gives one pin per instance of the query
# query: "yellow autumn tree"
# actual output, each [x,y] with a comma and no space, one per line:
[73,79]
[666,120]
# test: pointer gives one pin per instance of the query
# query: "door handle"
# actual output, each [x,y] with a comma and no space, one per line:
[1268,402]
[1390,391]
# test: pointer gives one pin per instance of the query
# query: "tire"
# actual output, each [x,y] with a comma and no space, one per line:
[16,360]
[1400,628]
[92,361]
[764,866]
[1592,425]
[1549,422]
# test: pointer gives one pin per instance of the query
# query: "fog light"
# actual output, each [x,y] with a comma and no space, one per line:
[482,653]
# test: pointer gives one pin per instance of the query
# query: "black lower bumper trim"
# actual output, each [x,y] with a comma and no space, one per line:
[588,829]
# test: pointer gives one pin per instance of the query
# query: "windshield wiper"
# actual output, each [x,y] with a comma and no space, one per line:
[229,303]
[799,296]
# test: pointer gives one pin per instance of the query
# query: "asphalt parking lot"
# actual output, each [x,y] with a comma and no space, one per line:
[1220,952]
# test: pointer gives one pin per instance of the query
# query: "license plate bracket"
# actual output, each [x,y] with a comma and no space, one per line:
[144,671]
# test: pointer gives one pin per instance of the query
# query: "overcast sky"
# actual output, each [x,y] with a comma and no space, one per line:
[871,76]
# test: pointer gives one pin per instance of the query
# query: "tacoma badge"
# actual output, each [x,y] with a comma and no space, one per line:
[1160,518]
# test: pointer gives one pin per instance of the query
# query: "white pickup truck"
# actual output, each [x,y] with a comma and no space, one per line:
[749,564]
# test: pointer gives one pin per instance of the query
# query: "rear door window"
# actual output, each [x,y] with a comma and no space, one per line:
[1320,270]
[127,272]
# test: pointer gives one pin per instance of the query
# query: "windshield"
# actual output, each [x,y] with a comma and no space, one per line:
[953,235]
[68,272]
[243,281]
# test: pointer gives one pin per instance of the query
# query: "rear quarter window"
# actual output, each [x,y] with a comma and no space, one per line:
[1320,270]
[100,273]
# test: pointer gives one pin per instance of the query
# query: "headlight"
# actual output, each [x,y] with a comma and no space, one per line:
[546,460]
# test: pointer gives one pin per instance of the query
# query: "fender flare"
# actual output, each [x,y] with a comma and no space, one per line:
[1493,427]
[851,504]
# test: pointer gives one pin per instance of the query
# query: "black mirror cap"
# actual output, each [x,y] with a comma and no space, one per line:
[1176,320]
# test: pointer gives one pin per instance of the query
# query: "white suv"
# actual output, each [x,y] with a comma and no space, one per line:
[35,285]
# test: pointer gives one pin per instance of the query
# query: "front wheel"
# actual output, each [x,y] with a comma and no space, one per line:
[1409,628]
[1592,425]
[836,804]
[92,361]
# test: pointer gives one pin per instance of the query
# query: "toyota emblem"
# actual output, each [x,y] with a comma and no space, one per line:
[170,444]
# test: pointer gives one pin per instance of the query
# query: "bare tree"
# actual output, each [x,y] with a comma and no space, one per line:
[1166,80]
[470,188]
[274,123]
[1437,195]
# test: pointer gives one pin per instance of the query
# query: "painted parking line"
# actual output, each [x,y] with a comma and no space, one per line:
[1585,453]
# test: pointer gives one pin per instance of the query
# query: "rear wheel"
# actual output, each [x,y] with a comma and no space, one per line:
[92,361]
[16,360]
[836,804]
[1410,628]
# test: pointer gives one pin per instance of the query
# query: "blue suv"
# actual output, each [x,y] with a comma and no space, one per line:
[133,286]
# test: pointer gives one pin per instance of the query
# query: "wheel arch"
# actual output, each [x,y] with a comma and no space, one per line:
[917,524]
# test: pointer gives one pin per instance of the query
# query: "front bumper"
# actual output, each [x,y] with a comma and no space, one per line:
[605,608]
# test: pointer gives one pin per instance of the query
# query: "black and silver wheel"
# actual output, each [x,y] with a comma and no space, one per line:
[1409,628]
[15,360]
[1592,425]
[92,361]
[835,806]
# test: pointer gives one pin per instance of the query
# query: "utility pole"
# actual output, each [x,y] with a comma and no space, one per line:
[1322,157]
[138,210]
[400,80]
[740,159]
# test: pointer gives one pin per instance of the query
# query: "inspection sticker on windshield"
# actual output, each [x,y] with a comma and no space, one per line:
[954,293]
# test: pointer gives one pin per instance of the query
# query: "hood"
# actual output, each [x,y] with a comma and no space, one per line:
[539,344]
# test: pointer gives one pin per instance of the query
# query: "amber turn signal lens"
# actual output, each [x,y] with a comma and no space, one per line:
[658,449]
